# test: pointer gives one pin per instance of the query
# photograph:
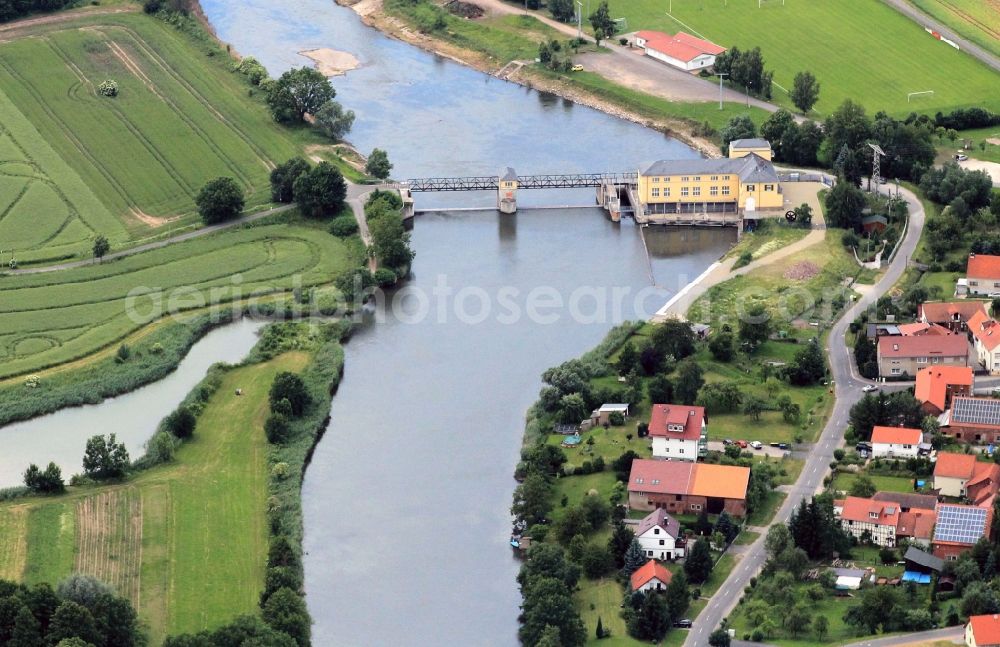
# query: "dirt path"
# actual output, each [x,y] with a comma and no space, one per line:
[970,48]
[10,29]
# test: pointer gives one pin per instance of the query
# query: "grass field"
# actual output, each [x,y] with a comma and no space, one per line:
[880,54]
[182,117]
[47,319]
[186,541]
[976,20]
[844,481]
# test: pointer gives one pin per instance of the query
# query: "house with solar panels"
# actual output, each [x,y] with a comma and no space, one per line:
[958,528]
[973,420]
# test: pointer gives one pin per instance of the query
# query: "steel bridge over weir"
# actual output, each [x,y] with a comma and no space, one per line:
[493,182]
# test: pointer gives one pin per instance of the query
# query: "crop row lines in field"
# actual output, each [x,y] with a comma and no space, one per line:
[109,534]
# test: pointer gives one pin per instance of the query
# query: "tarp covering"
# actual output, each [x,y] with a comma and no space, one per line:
[919,578]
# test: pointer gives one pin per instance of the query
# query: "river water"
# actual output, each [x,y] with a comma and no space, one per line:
[406,501]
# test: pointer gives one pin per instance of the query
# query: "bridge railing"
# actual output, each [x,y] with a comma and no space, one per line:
[546,181]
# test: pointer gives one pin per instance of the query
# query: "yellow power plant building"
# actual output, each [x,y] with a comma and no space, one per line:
[743,182]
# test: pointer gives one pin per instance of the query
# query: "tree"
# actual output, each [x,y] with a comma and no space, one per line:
[674,338]
[531,500]
[283,179]
[72,620]
[821,626]
[549,637]
[875,610]
[805,91]
[698,565]
[101,247]
[634,558]
[285,610]
[219,200]
[653,619]
[562,10]
[689,381]
[548,602]
[678,595]
[727,527]
[898,409]
[803,214]
[49,481]
[105,458]
[809,365]
[863,486]
[628,359]
[739,127]
[27,631]
[277,429]
[378,164]
[797,620]
[844,204]
[390,240]
[753,407]
[297,93]
[720,397]
[289,386]
[979,599]
[721,346]
[619,542]
[719,638]
[320,192]
[778,538]
[601,21]
[755,324]
[181,422]
[333,121]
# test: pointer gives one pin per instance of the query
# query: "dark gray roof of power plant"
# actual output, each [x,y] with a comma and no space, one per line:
[750,143]
[752,168]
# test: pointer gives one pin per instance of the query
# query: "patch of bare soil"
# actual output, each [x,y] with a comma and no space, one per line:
[151,221]
[330,62]
[801,271]
[464,9]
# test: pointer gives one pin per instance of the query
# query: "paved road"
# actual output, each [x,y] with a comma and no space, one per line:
[970,48]
[953,634]
[848,391]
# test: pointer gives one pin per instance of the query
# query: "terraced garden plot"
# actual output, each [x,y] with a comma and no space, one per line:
[48,319]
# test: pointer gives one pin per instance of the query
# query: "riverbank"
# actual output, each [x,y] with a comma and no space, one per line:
[374,14]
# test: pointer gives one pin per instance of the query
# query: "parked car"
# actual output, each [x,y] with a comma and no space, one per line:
[863,447]
[683,624]
[868,388]
[577,68]
[961,157]
[782,445]
[727,441]
[756,444]
[742,444]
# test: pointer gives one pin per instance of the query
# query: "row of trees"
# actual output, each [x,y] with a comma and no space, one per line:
[319,190]
[289,397]
[11,9]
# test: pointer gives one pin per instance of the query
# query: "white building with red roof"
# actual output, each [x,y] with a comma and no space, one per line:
[679,432]
[982,274]
[895,442]
[983,631]
[985,334]
[682,50]
[951,314]
[904,356]
[876,520]
[651,576]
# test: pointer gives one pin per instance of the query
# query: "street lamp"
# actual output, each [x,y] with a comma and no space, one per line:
[720,75]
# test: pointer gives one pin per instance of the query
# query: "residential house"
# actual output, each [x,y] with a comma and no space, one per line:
[973,420]
[895,442]
[985,333]
[875,520]
[726,185]
[904,356]
[651,576]
[922,328]
[958,528]
[680,487]
[950,314]
[602,415]
[916,526]
[678,431]
[757,146]
[681,50]
[951,473]
[908,500]
[937,385]
[659,536]
[983,631]
[982,275]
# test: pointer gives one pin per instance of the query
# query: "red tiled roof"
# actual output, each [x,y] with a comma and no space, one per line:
[681,477]
[923,346]
[985,482]
[959,466]
[896,436]
[933,382]
[917,523]
[859,509]
[983,266]
[648,571]
[945,312]
[664,415]
[985,330]
[986,629]
[682,46]
[922,328]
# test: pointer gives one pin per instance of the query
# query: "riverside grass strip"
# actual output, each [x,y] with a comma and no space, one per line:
[51,542]
[95,298]
[183,117]
[800,35]
[13,543]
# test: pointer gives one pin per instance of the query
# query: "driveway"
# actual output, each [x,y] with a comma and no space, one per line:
[766,450]
[848,391]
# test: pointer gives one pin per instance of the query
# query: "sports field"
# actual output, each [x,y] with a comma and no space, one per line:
[860,49]
[74,164]
[187,542]
[976,20]
[52,318]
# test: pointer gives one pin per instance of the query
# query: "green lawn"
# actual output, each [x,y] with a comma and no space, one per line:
[831,607]
[194,553]
[981,148]
[770,236]
[975,20]
[763,515]
[844,481]
[746,538]
[182,117]
[800,35]
[51,318]
[942,282]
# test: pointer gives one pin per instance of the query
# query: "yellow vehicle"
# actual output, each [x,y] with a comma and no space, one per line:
[577,68]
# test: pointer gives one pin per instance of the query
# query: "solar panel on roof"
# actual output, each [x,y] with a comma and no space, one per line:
[960,524]
[981,411]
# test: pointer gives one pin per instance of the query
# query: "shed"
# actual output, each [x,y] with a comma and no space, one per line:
[918,561]
[602,416]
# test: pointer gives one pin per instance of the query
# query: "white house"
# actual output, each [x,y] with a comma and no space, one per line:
[895,442]
[983,275]
[682,50]
[866,517]
[986,341]
[983,631]
[678,431]
[651,576]
[657,535]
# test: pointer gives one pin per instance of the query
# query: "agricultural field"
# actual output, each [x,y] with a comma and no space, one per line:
[182,116]
[976,20]
[881,55]
[51,318]
[186,542]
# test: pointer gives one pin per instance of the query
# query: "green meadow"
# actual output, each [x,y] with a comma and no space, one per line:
[976,20]
[858,49]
